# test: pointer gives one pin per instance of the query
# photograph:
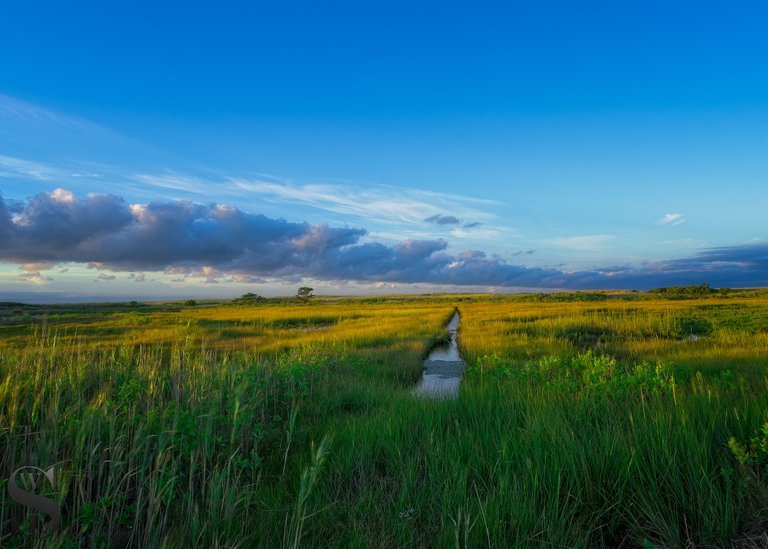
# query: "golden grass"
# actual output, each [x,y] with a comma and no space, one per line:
[641,330]
[256,329]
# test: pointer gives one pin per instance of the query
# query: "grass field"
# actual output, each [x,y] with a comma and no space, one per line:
[584,420]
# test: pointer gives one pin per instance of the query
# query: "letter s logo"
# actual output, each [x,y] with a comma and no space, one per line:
[34,501]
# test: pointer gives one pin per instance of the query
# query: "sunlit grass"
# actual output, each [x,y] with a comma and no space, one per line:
[171,426]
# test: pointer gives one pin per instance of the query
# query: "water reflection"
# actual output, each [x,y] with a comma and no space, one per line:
[443,368]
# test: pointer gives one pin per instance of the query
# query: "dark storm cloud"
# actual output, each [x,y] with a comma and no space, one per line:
[438,219]
[104,229]
[736,266]
[212,241]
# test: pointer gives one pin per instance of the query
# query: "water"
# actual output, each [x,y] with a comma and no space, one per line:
[443,368]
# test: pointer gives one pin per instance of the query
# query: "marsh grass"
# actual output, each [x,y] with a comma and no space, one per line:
[185,443]
[591,423]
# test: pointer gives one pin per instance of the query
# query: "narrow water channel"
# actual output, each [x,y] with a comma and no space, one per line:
[443,368]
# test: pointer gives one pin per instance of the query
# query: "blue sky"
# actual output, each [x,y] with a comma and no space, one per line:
[481,146]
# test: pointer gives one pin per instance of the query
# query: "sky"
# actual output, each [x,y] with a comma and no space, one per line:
[170,150]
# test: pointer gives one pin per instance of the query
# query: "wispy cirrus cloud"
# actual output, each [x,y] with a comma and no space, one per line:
[42,146]
[378,202]
[31,113]
[686,242]
[27,169]
[176,181]
[394,206]
[671,219]
[486,233]
[39,144]
[587,242]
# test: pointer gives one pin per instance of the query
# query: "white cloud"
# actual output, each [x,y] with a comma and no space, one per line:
[671,219]
[588,242]
[176,181]
[690,242]
[479,234]
[399,210]
[31,272]
[12,108]
[383,203]
[18,167]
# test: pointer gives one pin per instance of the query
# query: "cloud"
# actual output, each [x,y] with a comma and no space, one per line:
[26,169]
[218,242]
[690,242]
[16,109]
[590,242]
[175,181]
[35,277]
[734,266]
[439,219]
[381,202]
[31,273]
[400,209]
[41,147]
[671,219]
[477,234]
[40,266]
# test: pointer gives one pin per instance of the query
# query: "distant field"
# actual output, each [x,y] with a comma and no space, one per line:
[697,335]
[585,419]
[263,329]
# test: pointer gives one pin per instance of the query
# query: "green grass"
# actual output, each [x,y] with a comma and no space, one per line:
[591,422]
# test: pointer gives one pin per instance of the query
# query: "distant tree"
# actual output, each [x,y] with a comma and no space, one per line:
[190,303]
[685,292]
[248,299]
[304,293]
[703,289]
